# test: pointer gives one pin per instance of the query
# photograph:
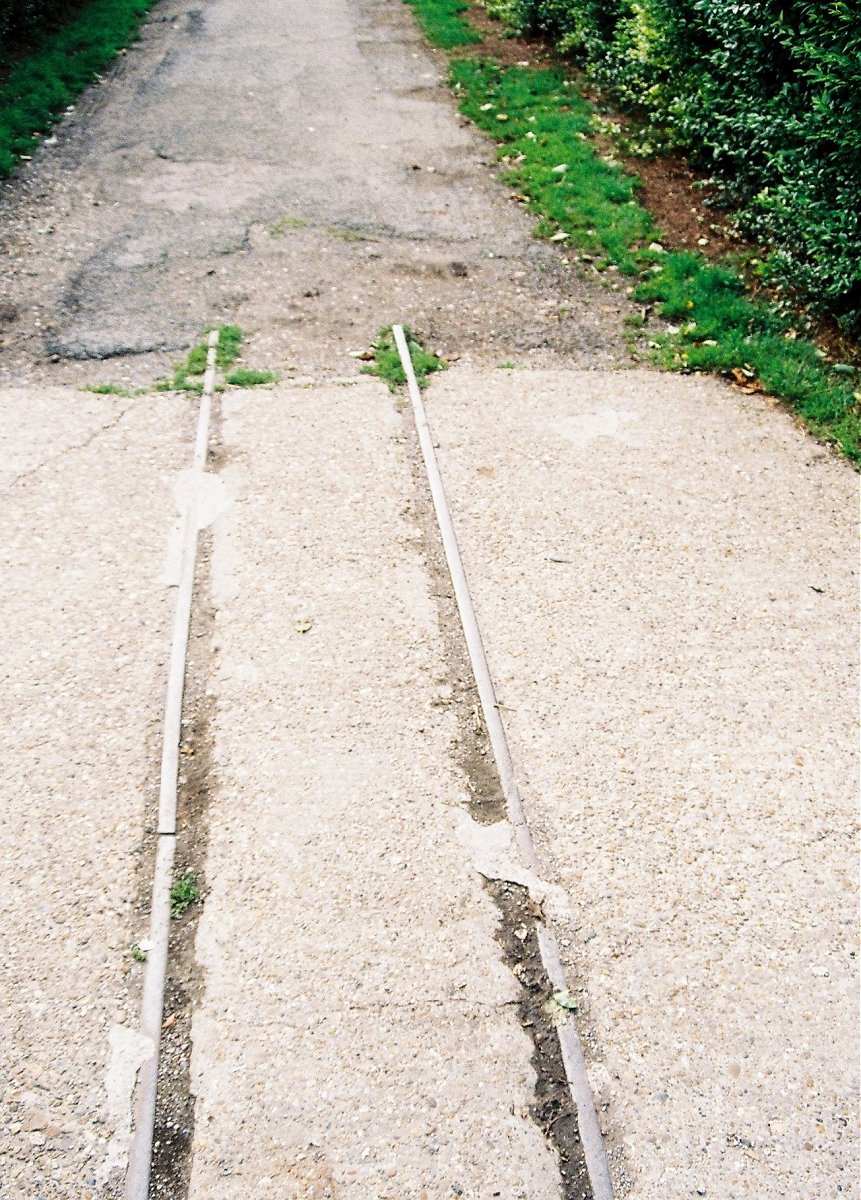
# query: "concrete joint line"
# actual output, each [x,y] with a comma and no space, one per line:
[152,1001]
[569,1039]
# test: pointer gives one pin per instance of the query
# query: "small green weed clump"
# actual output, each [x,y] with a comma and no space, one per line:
[184,892]
[244,377]
[107,389]
[442,24]
[187,375]
[586,201]
[387,360]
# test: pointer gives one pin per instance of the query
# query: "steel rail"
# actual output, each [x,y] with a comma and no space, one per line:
[152,1000]
[569,1040]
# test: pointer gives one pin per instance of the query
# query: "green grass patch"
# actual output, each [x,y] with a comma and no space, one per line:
[107,389]
[588,202]
[187,375]
[543,127]
[442,23]
[247,377]
[229,344]
[347,234]
[44,80]
[287,224]
[184,892]
[387,360]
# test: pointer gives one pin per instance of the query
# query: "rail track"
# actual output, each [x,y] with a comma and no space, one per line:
[563,1063]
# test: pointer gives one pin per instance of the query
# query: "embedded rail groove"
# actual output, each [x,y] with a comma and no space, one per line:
[152,1002]
[569,1040]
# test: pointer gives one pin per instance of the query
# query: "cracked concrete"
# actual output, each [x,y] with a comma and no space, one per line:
[21,443]
[85,633]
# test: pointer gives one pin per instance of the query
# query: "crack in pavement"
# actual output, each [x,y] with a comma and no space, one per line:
[66,451]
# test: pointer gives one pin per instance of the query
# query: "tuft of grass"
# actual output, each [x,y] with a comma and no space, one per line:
[45,79]
[387,360]
[246,377]
[183,377]
[107,389]
[184,892]
[287,224]
[506,366]
[347,234]
[586,201]
[442,23]
[229,344]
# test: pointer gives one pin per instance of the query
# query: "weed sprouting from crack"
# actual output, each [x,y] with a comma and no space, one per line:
[387,361]
[188,375]
[184,892]
[247,377]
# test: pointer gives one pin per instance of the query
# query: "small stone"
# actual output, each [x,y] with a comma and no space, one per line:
[34,1120]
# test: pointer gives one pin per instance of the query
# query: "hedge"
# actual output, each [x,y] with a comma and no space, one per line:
[765,95]
[21,20]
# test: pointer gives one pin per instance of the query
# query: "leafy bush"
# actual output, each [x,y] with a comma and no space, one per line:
[20,20]
[764,94]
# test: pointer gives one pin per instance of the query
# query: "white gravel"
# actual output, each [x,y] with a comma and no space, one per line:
[665,573]
[86,509]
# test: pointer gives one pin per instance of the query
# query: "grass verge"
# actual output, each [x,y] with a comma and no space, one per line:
[45,79]
[442,23]
[387,360]
[587,202]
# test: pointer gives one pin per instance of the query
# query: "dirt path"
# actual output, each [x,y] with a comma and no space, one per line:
[679,685]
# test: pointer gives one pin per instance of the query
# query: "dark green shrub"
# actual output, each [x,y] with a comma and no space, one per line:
[22,20]
[763,94]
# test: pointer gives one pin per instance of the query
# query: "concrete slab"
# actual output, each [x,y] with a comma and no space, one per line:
[665,572]
[84,523]
[359,1034]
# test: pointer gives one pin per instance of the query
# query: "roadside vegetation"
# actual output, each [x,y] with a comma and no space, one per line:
[49,52]
[584,199]
[442,23]
[765,97]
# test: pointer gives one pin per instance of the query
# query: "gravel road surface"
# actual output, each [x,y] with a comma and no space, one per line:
[663,569]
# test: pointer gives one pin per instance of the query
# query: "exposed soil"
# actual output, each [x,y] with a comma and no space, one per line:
[553,1109]
[174,1120]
